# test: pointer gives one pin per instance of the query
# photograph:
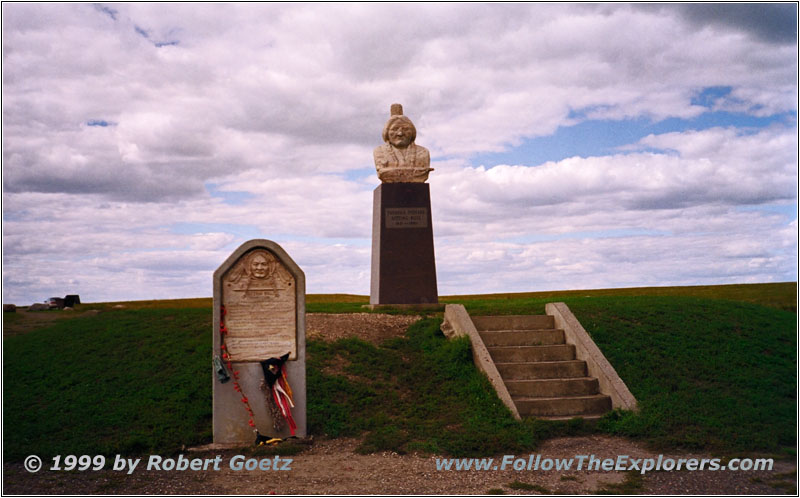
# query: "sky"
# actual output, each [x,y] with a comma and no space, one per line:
[575,146]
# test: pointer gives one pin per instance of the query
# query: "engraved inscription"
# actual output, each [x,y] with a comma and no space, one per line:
[260,301]
[406,217]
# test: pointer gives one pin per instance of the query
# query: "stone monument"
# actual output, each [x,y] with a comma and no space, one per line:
[259,314]
[403,264]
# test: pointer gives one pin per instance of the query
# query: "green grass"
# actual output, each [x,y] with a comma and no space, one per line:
[781,295]
[707,373]
[121,382]
[711,374]
[192,303]
[417,393]
[315,303]
[11,318]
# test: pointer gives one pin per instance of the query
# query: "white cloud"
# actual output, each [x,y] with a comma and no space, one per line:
[583,263]
[636,190]
[124,123]
[476,77]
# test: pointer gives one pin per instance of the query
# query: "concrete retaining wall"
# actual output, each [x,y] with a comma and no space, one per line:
[596,363]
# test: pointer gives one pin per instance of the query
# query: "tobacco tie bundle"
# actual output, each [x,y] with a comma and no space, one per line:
[279,393]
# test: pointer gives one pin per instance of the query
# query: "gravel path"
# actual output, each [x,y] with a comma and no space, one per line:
[331,467]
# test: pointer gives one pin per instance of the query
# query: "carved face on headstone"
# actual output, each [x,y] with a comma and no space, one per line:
[259,266]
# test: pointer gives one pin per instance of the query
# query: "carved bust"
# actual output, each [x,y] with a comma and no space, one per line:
[399,159]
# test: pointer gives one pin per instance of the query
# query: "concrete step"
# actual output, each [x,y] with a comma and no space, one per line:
[555,352]
[541,370]
[548,388]
[540,337]
[588,418]
[513,322]
[595,404]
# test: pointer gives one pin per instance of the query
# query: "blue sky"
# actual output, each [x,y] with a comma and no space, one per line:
[602,137]
[575,146]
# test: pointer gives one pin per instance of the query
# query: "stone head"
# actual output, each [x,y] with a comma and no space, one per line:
[399,131]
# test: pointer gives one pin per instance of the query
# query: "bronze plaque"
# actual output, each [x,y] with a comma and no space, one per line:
[259,296]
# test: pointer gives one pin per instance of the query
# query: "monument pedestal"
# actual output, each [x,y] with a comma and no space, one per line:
[403,265]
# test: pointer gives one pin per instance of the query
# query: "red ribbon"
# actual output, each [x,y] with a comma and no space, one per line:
[238,388]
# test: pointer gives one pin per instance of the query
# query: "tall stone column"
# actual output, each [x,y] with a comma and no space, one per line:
[403,263]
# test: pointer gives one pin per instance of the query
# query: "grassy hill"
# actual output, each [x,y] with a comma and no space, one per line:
[713,368]
[781,295]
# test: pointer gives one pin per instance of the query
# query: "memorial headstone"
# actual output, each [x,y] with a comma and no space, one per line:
[259,314]
[403,263]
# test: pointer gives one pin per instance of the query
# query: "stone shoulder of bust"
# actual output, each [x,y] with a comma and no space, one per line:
[399,159]
[398,166]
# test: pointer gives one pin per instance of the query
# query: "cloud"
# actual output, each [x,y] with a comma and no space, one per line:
[591,263]
[280,88]
[135,161]
[668,216]
[771,22]
[714,168]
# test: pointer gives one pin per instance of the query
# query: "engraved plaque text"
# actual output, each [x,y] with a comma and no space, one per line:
[258,293]
[406,217]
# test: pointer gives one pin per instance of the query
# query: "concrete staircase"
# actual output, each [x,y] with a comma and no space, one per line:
[539,368]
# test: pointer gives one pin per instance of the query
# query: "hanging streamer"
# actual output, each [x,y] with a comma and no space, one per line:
[279,389]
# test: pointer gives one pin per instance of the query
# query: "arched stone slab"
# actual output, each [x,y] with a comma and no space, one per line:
[263,293]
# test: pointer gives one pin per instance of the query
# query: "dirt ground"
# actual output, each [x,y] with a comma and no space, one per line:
[25,320]
[372,327]
[332,467]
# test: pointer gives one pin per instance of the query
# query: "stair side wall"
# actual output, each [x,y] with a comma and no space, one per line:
[596,363]
[458,323]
